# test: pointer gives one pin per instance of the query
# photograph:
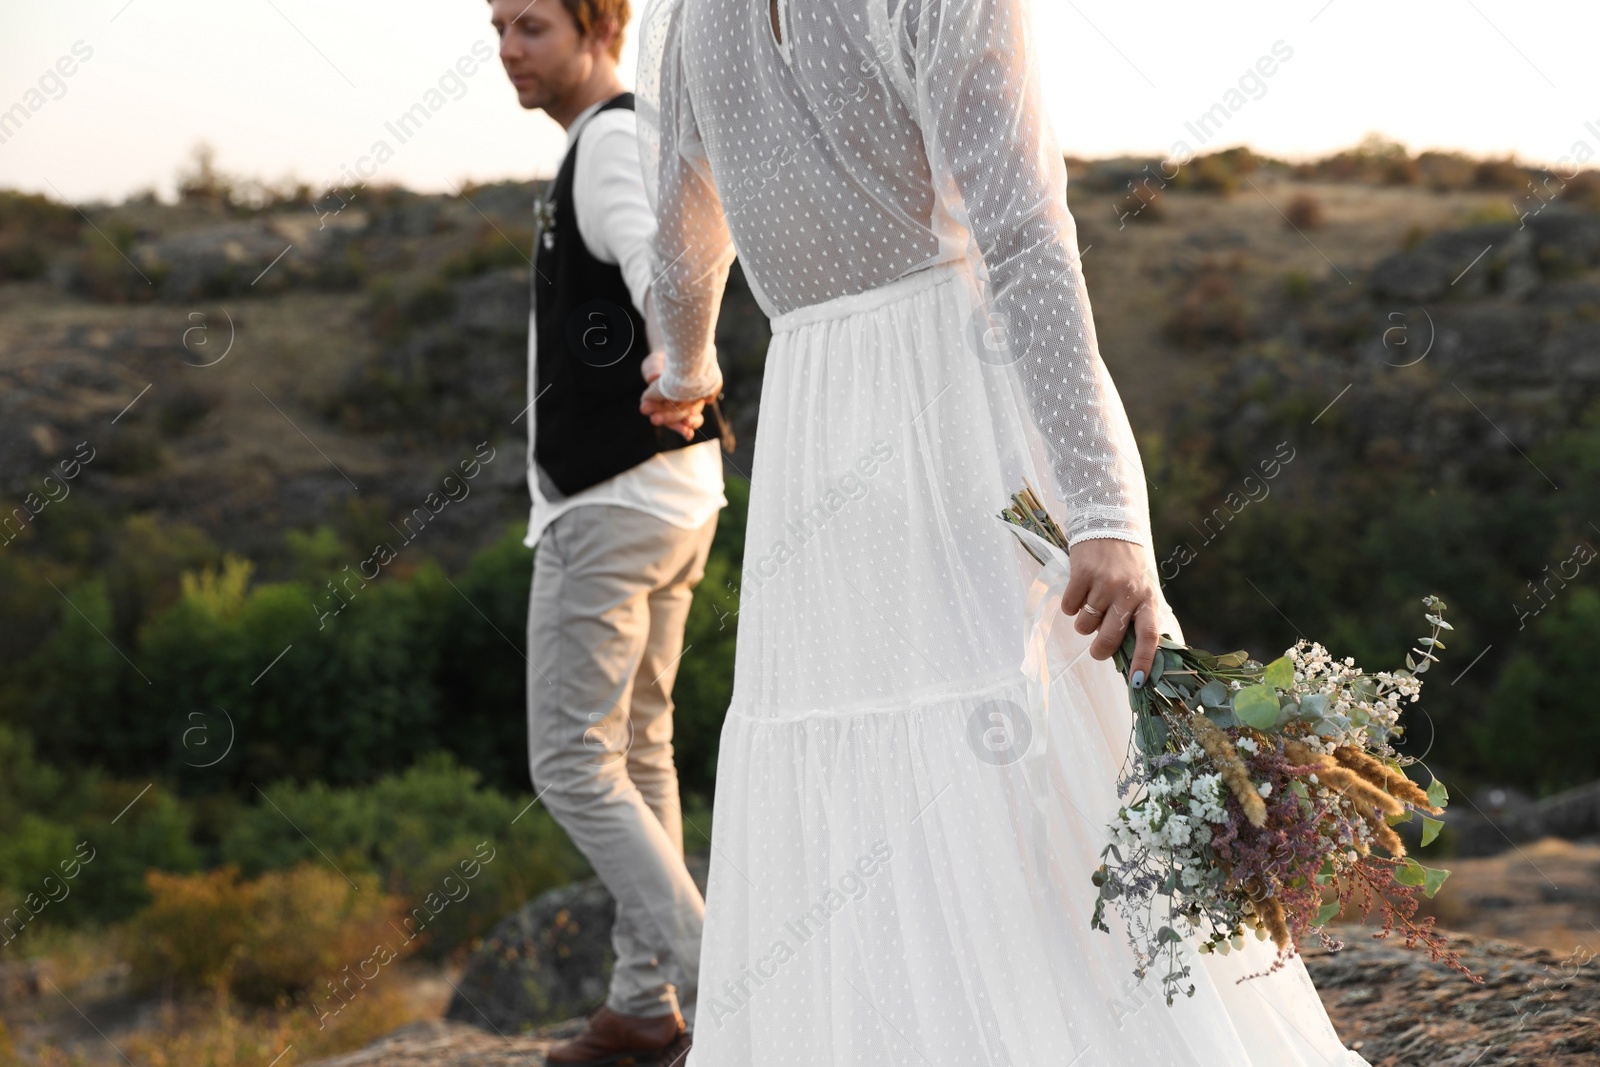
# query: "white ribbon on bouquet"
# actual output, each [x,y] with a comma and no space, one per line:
[1042,608]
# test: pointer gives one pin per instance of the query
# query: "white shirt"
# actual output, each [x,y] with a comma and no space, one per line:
[682,486]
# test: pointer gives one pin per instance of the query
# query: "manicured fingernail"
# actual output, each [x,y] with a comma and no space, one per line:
[1138,679]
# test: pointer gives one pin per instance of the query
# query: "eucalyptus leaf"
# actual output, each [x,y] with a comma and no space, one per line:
[1182,684]
[1167,689]
[1157,665]
[1430,829]
[1233,659]
[1438,795]
[1414,873]
[1222,716]
[1256,705]
[1214,694]
[1150,734]
[1280,673]
[1326,913]
[1130,641]
[1313,706]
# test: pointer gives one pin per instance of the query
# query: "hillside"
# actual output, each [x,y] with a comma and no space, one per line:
[250,371]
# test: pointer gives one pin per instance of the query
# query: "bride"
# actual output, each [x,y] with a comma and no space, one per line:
[904,825]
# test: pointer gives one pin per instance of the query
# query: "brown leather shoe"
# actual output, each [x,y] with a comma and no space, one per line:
[612,1039]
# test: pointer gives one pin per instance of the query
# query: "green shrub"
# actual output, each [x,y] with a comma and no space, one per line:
[704,685]
[29,226]
[1540,728]
[350,698]
[420,833]
[480,635]
[107,834]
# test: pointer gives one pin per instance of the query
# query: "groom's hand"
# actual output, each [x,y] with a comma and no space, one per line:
[684,416]
[1110,588]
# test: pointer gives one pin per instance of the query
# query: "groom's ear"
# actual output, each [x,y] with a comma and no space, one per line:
[606,32]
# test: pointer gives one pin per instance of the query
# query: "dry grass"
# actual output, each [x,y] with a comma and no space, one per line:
[284,934]
[233,973]
[197,1034]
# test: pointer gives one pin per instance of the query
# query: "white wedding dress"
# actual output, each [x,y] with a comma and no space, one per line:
[903,829]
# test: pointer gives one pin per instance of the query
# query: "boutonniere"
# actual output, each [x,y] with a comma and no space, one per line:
[544,217]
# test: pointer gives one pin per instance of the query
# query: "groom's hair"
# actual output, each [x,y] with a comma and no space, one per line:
[587,13]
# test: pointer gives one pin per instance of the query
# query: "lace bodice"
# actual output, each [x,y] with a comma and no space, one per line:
[877,138]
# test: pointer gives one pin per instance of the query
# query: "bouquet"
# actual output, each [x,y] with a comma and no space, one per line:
[1262,798]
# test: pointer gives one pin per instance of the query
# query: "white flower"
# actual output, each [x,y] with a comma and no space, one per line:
[1265,789]
[1248,744]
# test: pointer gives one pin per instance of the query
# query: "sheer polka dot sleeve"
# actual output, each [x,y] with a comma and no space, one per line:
[979,106]
[693,247]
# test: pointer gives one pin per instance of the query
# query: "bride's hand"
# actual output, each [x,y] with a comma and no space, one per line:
[684,416]
[1110,586]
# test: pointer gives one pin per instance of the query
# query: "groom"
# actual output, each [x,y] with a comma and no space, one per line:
[625,502]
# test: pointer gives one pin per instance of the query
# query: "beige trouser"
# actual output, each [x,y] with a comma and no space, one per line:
[611,592]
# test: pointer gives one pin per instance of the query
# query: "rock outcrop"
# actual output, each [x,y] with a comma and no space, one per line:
[546,962]
[1399,1009]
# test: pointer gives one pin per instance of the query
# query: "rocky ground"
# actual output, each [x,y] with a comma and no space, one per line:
[1544,894]
[1389,1003]
[537,974]
[1396,1008]
[1536,1005]
[449,1044]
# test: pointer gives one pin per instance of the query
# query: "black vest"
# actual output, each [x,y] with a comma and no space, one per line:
[591,342]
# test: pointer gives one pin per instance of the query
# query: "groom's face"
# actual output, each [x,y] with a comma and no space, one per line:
[541,50]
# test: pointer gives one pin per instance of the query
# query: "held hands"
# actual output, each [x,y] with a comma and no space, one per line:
[1109,588]
[684,416]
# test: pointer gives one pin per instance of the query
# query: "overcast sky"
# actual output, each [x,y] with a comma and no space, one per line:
[304,87]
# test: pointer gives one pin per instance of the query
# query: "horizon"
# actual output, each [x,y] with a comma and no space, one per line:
[121,81]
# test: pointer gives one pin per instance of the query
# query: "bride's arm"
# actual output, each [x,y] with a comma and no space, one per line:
[979,108]
[693,248]
[982,118]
